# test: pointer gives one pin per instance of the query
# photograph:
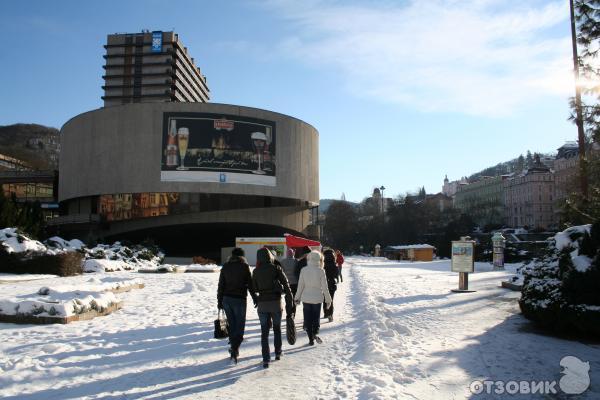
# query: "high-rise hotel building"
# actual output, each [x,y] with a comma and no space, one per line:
[151,67]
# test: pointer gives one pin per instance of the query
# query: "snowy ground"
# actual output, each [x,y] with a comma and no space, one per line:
[398,333]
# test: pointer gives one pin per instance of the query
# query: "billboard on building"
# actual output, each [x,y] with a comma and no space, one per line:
[204,147]
[157,41]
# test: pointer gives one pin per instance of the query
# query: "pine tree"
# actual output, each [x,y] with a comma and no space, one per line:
[587,16]
[520,163]
[528,159]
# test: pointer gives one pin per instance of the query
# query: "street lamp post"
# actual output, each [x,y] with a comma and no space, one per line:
[382,188]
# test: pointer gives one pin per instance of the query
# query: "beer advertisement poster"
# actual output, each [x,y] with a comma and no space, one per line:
[463,256]
[203,147]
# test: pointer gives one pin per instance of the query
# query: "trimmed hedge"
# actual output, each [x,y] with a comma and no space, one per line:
[63,264]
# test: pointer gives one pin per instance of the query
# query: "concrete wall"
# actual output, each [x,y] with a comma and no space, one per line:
[118,150]
[292,218]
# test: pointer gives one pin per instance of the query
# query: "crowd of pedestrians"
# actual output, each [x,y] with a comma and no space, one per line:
[305,276]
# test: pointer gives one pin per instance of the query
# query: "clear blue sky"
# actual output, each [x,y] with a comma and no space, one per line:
[402,92]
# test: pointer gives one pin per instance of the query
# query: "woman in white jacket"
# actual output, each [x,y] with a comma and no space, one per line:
[312,289]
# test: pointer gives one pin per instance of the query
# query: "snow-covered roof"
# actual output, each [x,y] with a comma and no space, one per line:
[411,246]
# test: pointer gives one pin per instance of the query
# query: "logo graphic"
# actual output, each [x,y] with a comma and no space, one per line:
[575,380]
[224,123]
[576,377]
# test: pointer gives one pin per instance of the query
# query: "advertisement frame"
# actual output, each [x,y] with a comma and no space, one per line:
[227,149]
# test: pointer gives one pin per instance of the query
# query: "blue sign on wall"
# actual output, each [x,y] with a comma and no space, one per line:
[157,41]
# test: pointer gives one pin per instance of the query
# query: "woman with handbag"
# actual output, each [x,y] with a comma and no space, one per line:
[312,289]
[235,282]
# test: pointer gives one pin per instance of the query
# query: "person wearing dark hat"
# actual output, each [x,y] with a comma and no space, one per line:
[269,281]
[301,257]
[235,282]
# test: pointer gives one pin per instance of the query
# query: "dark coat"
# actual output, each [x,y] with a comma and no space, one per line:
[331,270]
[301,260]
[235,280]
[269,281]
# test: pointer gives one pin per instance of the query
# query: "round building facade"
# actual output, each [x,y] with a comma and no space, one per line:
[190,176]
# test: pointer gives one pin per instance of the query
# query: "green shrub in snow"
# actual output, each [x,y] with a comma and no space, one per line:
[98,255]
[63,264]
[561,289]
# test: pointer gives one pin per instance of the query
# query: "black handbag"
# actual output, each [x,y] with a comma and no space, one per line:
[221,326]
[290,329]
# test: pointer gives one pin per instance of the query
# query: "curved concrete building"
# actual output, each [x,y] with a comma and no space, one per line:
[192,176]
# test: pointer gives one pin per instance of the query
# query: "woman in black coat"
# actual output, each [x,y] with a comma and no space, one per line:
[331,272]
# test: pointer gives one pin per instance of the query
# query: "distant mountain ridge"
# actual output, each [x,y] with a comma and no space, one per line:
[513,166]
[36,145]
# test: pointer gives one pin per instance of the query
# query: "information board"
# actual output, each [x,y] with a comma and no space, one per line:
[463,256]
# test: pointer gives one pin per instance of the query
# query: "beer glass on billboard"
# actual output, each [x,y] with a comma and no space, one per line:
[183,137]
[259,140]
[172,145]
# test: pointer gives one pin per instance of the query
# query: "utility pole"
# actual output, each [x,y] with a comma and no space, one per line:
[579,114]
[382,188]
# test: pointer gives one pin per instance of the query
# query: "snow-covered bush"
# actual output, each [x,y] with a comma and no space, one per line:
[561,289]
[118,257]
[21,255]
[14,241]
[67,255]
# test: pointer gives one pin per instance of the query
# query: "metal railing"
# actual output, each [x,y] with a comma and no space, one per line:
[75,219]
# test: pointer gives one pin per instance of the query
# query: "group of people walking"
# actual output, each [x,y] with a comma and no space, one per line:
[309,277]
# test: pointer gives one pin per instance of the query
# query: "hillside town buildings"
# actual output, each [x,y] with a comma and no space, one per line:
[484,200]
[530,198]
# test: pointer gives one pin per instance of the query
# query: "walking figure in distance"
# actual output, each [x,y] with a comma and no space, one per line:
[331,273]
[270,283]
[312,288]
[339,260]
[235,282]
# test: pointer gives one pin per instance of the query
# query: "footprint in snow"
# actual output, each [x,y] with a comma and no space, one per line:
[187,288]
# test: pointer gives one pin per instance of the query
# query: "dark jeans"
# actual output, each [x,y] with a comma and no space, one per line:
[235,309]
[264,318]
[328,311]
[311,319]
[294,289]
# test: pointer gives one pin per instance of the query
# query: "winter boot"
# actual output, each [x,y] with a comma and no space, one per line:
[233,354]
[265,364]
[278,356]
[330,318]
[318,339]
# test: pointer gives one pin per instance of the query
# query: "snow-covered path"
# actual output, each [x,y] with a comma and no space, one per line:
[398,333]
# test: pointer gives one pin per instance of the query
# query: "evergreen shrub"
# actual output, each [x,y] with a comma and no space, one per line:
[561,289]
[63,264]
